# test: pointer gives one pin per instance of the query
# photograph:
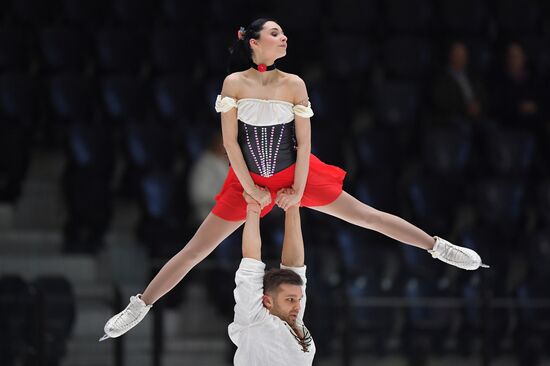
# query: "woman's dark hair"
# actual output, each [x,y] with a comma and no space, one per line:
[241,53]
[278,276]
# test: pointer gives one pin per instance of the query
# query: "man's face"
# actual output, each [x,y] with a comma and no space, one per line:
[285,302]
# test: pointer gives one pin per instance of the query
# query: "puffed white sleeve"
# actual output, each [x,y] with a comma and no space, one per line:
[249,292]
[302,110]
[224,104]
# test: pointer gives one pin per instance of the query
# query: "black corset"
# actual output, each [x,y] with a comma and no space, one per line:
[268,149]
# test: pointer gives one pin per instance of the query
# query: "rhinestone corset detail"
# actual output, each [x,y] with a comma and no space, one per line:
[268,149]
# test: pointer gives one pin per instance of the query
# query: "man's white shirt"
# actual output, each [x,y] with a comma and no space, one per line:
[263,339]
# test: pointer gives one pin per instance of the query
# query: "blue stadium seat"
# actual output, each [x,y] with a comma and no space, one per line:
[483,320]
[87,186]
[36,12]
[465,18]
[409,17]
[89,199]
[538,55]
[534,321]
[397,103]
[538,248]
[18,98]
[64,48]
[123,97]
[14,50]
[122,50]
[378,191]
[160,227]
[18,115]
[216,55]
[379,153]
[151,146]
[90,146]
[83,12]
[15,146]
[347,56]
[184,14]
[501,202]
[542,203]
[174,97]
[229,252]
[518,17]
[434,201]
[16,320]
[57,313]
[322,145]
[138,12]
[372,325]
[407,57]
[293,14]
[5,7]
[428,326]
[72,97]
[418,263]
[195,140]
[446,152]
[168,54]
[481,55]
[353,16]
[494,326]
[357,256]
[511,152]
[330,104]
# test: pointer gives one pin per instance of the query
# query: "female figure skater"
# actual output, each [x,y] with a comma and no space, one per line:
[265,117]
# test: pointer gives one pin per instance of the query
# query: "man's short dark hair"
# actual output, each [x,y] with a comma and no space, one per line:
[275,277]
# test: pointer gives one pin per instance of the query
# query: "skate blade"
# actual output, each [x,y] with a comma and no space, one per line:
[105,336]
[484,266]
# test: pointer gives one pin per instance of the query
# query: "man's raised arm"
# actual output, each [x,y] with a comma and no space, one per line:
[293,244]
[252,241]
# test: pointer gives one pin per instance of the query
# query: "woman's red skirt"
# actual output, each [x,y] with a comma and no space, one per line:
[323,186]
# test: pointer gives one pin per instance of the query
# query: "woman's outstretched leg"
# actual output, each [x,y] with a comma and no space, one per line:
[210,234]
[350,209]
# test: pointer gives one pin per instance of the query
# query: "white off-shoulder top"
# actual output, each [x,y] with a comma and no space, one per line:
[266,131]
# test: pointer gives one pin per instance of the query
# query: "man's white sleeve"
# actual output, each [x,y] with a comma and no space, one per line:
[249,292]
[301,271]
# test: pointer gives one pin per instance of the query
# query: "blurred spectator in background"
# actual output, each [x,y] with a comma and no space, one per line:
[457,93]
[515,94]
[207,177]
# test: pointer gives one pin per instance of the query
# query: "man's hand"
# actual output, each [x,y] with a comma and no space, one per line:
[252,204]
[287,198]
[261,195]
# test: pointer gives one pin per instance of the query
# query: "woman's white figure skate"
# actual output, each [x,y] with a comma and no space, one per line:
[457,256]
[126,319]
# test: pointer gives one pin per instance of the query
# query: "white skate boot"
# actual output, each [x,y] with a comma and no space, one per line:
[457,256]
[126,319]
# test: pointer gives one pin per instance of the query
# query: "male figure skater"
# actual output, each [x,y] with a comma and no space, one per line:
[268,329]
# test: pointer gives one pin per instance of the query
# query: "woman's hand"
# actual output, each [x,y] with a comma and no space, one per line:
[287,198]
[252,205]
[261,195]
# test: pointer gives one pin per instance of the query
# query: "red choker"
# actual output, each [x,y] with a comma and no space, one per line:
[263,67]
